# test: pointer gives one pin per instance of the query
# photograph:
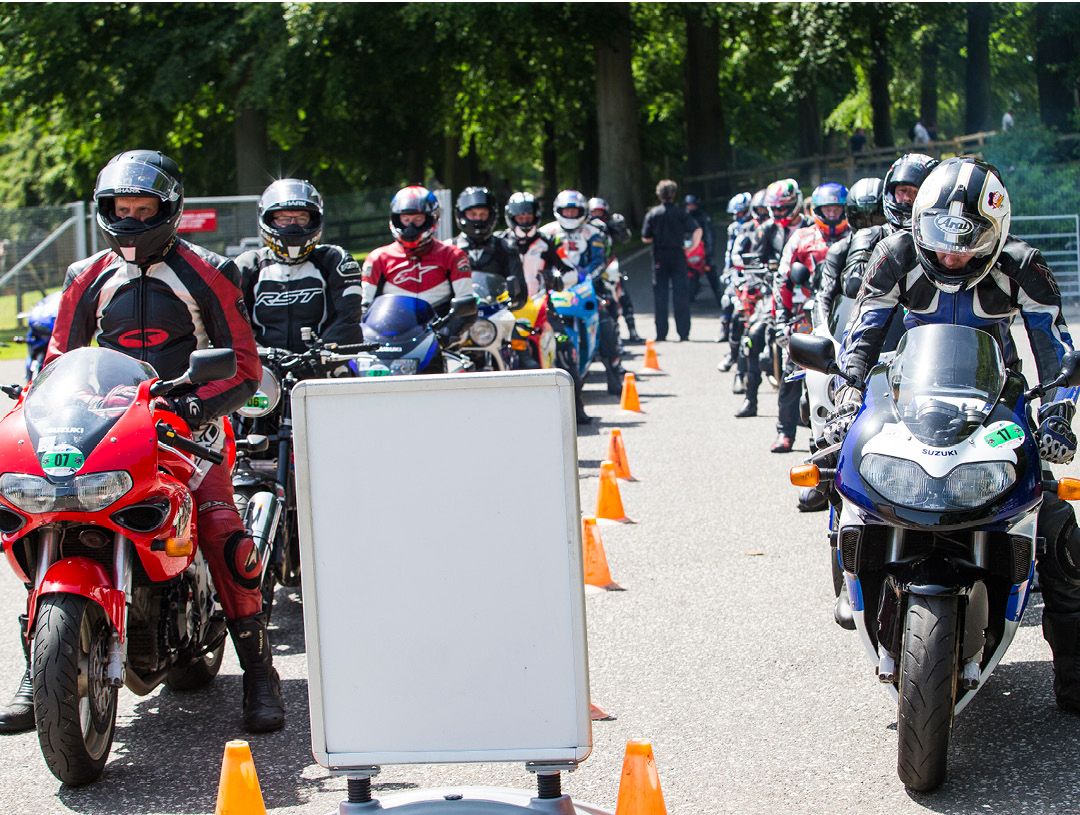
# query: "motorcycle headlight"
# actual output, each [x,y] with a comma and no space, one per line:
[404,367]
[30,493]
[965,487]
[972,485]
[483,332]
[85,493]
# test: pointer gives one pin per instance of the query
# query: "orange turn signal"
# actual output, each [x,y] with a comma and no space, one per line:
[1068,489]
[519,345]
[178,547]
[805,475]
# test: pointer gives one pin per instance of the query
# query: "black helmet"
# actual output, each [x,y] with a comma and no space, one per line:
[144,174]
[476,197]
[522,203]
[292,243]
[962,208]
[864,206]
[911,168]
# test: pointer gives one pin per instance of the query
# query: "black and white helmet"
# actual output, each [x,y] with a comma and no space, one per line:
[522,203]
[144,174]
[864,207]
[291,243]
[911,169]
[962,208]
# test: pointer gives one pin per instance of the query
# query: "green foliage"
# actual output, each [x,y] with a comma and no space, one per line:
[1039,169]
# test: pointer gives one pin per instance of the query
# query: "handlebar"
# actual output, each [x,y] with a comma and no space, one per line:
[167,435]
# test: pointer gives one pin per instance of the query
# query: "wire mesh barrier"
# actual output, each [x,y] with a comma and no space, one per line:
[1058,238]
[37,244]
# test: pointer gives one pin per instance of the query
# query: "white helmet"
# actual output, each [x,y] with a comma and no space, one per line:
[571,199]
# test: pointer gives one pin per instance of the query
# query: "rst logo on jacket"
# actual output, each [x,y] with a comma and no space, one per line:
[287,298]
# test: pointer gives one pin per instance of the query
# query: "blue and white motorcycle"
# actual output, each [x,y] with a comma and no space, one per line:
[411,339]
[939,486]
[579,308]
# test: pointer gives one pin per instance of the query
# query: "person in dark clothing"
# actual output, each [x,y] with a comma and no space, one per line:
[665,228]
[702,219]
[476,214]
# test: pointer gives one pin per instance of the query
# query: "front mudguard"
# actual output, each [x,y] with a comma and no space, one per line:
[83,577]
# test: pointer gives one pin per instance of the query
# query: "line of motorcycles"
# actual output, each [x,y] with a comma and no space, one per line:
[98,520]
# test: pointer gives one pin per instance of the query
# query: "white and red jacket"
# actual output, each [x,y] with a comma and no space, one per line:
[438,274]
[808,247]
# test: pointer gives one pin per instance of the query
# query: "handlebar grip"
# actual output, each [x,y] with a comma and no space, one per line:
[170,437]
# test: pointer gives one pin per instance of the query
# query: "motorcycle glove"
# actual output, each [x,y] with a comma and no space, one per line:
[1057,442]
[848,403]
[1064,408]
[189,408]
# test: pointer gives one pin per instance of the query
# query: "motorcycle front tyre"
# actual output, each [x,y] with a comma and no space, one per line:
[75,716]
[927,692]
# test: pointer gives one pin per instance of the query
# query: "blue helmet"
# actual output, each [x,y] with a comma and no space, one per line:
[830,194]
[739,203]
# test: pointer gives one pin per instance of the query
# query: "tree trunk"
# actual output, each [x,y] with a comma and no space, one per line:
[928,95]
[707,148]
[249,139]
[880,104]
[1054,51]
[588,165]
[617,116]
[977,111]
[551,162]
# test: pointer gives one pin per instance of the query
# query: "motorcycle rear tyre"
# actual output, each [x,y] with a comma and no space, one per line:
[75,719]
[927,692]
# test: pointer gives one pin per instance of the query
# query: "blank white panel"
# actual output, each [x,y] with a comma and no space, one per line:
[441,559]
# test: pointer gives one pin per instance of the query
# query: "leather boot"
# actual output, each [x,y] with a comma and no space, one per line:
[749,408]
[264,709]
[17,716]
[1062,631]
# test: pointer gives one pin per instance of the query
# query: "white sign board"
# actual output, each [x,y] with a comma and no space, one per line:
[440,542]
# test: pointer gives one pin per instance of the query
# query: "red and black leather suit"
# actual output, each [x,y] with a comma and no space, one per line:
[160,314]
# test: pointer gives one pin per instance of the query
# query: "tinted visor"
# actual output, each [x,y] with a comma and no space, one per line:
[136,178]
[938,231]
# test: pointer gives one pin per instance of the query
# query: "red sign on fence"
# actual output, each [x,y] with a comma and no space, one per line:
[198,220]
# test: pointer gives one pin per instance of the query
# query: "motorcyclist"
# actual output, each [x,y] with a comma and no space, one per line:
[544,271]
[416,263]
[619,231]
[156,297]
[295,282]
[741,223]
[745,242]
[476,214]
[784,201]
[586,248]
[693,208]
[958,264]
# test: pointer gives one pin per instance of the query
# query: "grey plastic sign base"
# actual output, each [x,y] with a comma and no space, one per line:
[471,801]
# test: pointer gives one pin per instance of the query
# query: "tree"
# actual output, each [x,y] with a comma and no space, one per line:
[977,109]
[617,114]
[1056,57]
[707,148]
[878,15]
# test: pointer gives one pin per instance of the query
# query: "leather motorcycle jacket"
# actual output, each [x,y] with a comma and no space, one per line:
[495,255]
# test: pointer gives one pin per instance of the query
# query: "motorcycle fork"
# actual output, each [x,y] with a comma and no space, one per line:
[116,659]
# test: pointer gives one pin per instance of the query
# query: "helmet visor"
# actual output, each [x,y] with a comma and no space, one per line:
[290,193]
[938,231]
[136,178]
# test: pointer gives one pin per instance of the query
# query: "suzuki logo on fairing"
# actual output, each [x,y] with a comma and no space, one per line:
[286,298]
[926,452]
[953,224]
[143,337]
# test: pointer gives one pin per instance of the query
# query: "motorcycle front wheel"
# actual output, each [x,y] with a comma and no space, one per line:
[927,692]
[74,706]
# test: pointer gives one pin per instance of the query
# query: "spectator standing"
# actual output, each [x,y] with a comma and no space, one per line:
[665,228]
[919,133]
[1007,122]
[858,140]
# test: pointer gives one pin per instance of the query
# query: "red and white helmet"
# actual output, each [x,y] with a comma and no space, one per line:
[784,200]
[411,200]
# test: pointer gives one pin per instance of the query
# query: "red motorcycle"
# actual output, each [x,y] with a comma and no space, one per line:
[695,266]
[97,517]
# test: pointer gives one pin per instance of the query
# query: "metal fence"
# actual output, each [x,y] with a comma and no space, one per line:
[1058,238]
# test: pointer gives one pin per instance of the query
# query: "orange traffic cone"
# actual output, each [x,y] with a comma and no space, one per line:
[598,714]
[597,572]
[608,501]
[629,400]
[238,789]
[652,363]
[616,454]
[639,788]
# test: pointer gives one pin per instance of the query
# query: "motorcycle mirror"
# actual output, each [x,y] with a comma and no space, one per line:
[799,274]
[12,391]
[515,287]
[815,354]
[852,284]
[463,306]
[253,443]
[1070,368]
[210,365]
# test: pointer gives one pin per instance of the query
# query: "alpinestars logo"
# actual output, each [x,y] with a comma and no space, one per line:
[287,298]
[414,272]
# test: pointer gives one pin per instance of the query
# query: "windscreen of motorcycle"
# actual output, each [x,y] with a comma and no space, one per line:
[488,286]
[74,401]
[397,318]
[945,380]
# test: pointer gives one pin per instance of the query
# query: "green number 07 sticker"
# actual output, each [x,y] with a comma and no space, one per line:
[61,461]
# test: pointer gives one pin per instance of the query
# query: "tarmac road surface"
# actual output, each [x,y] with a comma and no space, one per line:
[722,651]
